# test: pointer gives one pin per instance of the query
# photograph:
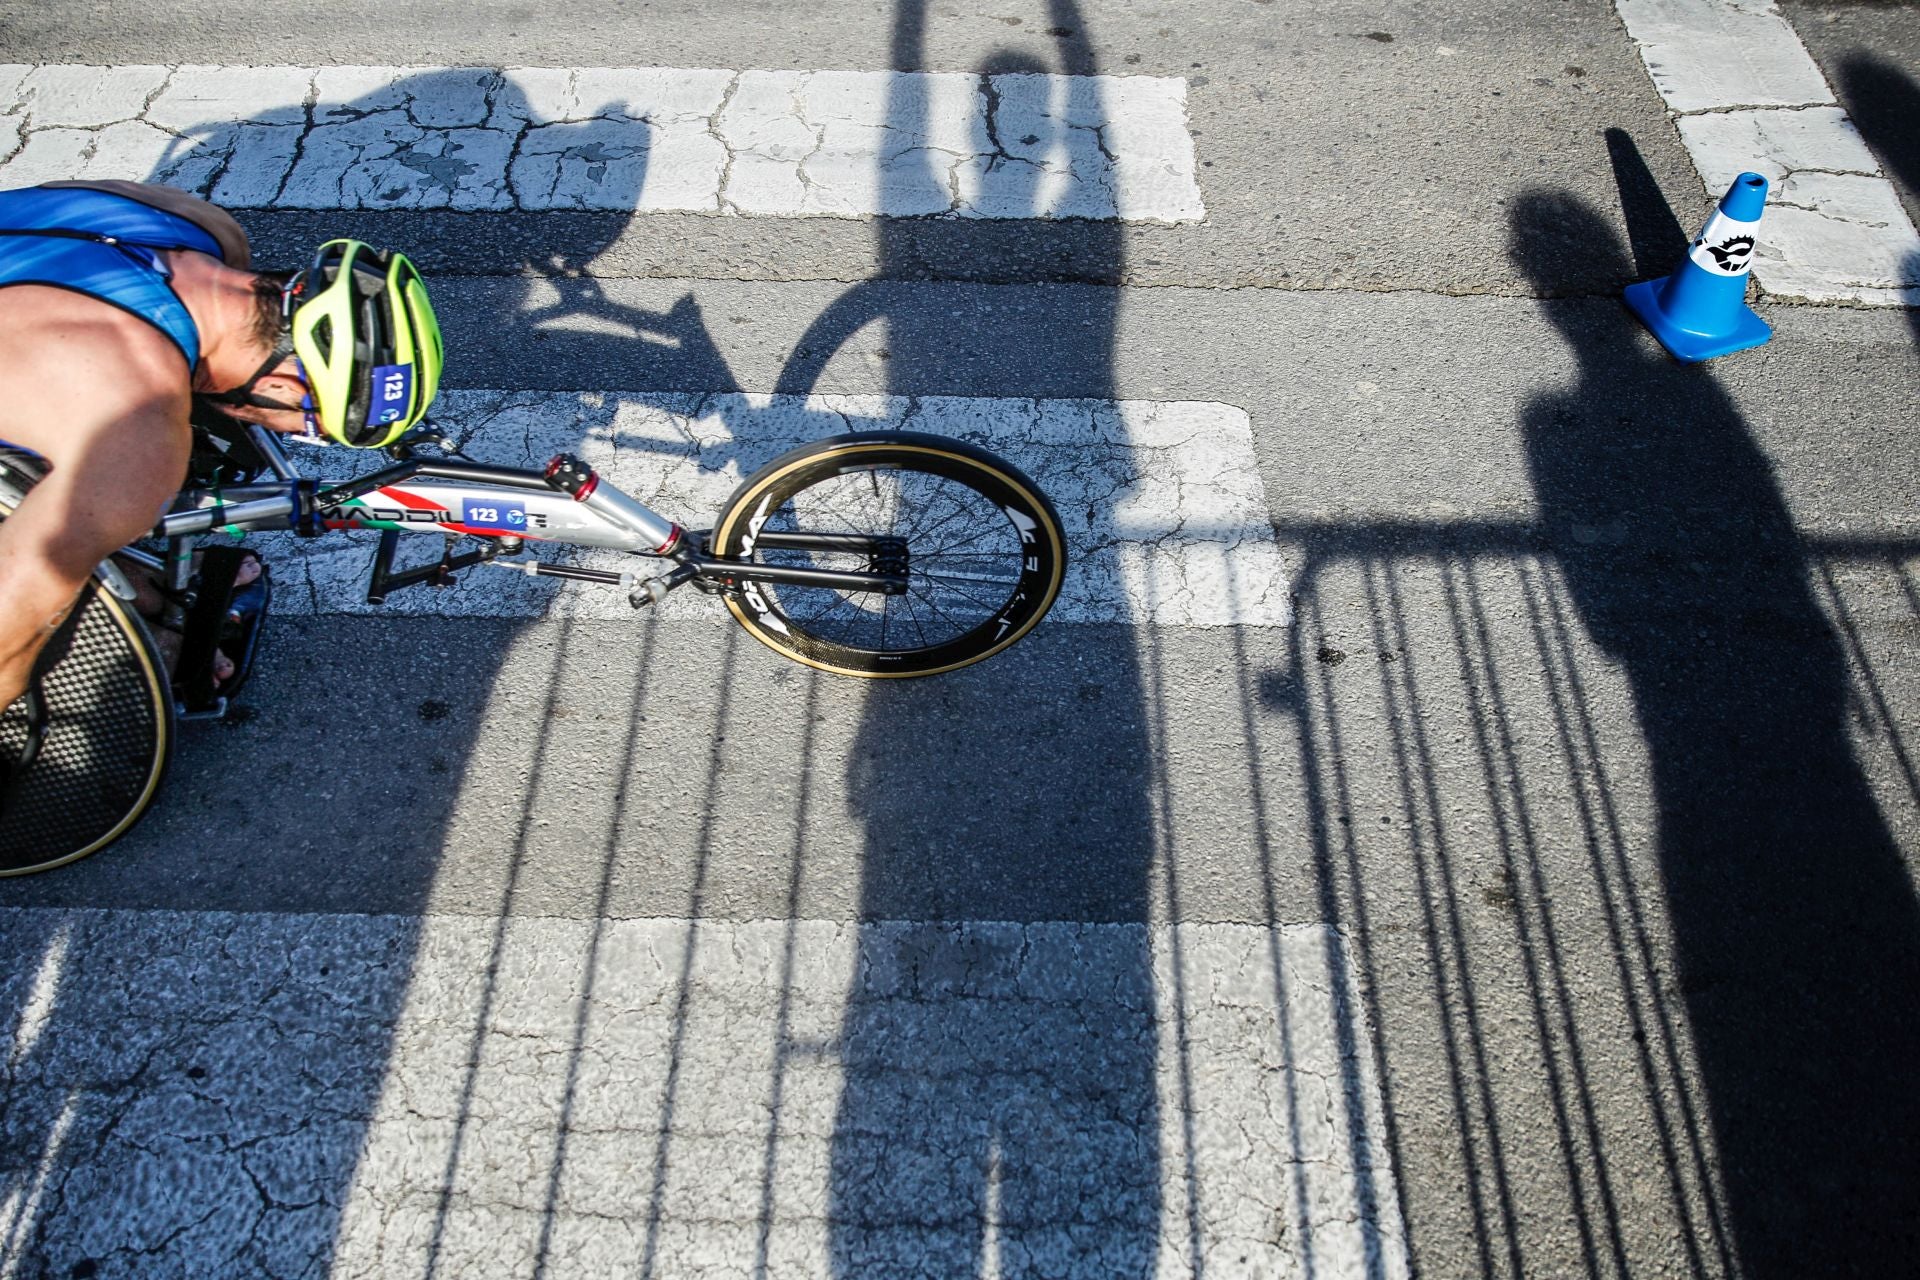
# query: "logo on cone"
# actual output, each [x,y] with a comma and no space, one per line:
[1725,246]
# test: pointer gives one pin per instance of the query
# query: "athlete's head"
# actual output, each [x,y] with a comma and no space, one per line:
[356,335]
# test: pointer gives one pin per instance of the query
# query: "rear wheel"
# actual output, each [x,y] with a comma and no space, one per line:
[978,543]
[104,738]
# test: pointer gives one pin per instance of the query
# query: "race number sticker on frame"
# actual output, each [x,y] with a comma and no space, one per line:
[493,513]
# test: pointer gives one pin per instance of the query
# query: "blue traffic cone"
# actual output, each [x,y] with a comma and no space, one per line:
[1701,311]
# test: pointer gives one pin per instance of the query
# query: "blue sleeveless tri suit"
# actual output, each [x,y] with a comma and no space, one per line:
[104,246]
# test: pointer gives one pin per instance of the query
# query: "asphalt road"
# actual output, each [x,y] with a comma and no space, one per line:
[1584,776]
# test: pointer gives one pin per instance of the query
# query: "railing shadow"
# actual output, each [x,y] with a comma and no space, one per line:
[1793,918]
[1516,829]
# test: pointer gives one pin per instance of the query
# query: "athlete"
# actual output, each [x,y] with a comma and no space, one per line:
[123,303]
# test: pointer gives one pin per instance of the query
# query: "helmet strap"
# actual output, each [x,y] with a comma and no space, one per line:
[282,348]
[243,394]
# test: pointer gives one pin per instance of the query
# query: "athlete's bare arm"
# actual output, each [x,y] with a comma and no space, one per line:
[104,396]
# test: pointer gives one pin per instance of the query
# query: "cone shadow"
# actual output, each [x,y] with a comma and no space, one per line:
[1657,239]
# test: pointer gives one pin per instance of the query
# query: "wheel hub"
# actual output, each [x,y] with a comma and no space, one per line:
[889,557]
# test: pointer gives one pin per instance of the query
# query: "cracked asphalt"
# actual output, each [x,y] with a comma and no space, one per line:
[1529,893]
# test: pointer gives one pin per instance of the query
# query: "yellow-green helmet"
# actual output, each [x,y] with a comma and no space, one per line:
[367,340]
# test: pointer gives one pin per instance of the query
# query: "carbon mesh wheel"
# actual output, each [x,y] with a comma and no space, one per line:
[109,735]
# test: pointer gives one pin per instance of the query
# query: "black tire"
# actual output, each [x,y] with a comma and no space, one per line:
[985,554]
[109,730]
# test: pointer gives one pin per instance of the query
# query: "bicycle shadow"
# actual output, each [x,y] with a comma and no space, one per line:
[1793,921]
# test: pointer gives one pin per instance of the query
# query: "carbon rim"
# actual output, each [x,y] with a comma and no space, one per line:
[984,555]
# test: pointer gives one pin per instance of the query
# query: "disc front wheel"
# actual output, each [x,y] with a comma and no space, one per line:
[98,737]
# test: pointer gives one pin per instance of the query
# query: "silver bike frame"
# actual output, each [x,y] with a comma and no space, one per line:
[602,517]
[505,504]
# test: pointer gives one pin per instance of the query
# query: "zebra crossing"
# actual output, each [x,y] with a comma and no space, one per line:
[1237,1046]
[604,1098]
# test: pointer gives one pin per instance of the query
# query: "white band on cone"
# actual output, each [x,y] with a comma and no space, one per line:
[1725,246]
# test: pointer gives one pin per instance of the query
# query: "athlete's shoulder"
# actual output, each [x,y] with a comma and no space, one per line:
[74,361]
[210,218]
[67,332]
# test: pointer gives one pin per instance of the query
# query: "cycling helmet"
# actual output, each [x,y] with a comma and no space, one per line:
[363,330]
[359,323]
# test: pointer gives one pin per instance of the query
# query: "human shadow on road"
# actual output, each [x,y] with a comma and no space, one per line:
[985,1121]
[1794,925]
[1882,98]
[1884,102]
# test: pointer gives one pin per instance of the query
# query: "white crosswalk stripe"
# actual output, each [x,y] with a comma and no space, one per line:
[571,1097]
[747,143]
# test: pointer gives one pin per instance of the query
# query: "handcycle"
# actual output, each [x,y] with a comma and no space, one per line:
[880,554]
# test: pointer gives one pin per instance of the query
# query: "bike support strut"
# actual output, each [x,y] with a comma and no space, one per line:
[720,573]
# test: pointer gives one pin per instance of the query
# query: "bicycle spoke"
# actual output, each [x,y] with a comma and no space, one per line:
[1003,534]
[957,513]
[943,557]
[784,603]
[829,499]
[1003,587]
[908,601]
[817,501]
[929,507]
[965,557]
[938,612]
[925,502]
[839,599]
